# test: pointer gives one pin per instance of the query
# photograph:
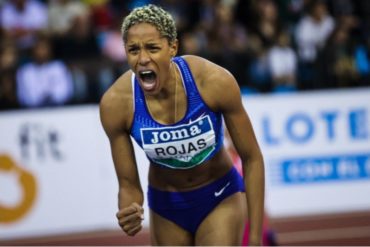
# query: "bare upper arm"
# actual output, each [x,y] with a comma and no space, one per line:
[116,116]
[116,107]
[220,91]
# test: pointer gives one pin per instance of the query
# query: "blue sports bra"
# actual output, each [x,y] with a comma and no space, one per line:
[196,138]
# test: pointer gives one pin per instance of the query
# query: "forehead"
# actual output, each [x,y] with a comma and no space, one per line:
[143,32]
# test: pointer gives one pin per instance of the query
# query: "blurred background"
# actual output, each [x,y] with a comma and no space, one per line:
[303,67]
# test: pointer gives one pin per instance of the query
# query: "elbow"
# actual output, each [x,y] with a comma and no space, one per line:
[253,158]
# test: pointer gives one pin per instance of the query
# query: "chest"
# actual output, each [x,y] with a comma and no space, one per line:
[169,110]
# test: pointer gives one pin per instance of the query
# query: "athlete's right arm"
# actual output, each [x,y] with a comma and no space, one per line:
[115,116]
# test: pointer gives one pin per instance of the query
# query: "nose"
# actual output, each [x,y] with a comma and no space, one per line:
[144,57]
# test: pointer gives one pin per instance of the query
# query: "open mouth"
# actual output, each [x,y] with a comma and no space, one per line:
[148,79]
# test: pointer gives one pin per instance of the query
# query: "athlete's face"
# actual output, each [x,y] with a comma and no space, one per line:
[149,56]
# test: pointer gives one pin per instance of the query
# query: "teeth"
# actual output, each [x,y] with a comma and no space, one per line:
[146,72]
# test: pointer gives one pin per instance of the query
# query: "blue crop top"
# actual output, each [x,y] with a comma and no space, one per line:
[197,137]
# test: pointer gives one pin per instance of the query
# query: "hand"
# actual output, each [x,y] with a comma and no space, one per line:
[130,218]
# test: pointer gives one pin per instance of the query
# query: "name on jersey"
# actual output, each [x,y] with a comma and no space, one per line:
[181,142]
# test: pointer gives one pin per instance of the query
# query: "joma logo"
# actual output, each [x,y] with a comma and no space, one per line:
[175,134]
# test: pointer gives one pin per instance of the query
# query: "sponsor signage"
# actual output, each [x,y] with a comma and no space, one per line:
[316,148]
[57,174]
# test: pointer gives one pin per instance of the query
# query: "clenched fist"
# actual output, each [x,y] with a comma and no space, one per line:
[130,219]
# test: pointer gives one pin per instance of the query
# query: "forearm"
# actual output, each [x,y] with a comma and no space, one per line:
[130,214]
[254,180]
[129,193]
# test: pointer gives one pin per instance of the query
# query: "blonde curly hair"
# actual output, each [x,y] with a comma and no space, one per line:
[154,15]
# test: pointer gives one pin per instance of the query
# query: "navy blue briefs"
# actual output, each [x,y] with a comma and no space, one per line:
[188,209]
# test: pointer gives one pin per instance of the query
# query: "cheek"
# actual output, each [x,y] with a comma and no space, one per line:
[131,60]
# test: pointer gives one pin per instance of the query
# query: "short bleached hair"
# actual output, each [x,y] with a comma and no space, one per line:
[153,15]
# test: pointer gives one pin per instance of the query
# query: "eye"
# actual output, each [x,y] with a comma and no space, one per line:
[154,49]
[133,50]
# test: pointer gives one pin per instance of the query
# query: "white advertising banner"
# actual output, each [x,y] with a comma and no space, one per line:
[316,148]
[56,174]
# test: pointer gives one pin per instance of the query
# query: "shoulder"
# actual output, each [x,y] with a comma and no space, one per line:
[205,71]
[116,107]
[215,83]
[201,67]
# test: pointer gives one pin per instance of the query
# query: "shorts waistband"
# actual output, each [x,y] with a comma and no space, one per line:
[231,179]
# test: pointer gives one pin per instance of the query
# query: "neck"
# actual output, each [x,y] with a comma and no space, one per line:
[169,88]
[167,99]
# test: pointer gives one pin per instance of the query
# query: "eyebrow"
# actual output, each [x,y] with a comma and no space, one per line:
[150,43]
[132,45]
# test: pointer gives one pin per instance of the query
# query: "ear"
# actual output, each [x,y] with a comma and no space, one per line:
[174,47]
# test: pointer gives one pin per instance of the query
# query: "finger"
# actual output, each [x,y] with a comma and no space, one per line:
[130,226]
[134,230]
[131,223]
[126,211]
[136,217]
[139,208]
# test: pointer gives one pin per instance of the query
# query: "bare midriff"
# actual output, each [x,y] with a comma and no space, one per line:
[168,179]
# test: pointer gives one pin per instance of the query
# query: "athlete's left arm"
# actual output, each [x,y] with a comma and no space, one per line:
[227,99]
